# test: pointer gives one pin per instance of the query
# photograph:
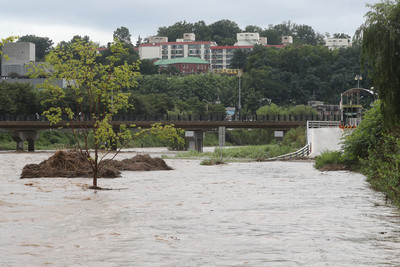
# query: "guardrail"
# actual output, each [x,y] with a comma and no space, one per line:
[302,152]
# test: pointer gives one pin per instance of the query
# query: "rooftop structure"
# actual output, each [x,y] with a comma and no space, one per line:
[336,43]
[249,38]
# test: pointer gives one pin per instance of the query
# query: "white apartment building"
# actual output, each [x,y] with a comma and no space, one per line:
[219,56]
[159,47]
[336,43]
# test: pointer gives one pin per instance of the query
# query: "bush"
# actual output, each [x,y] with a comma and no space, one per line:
[366,136]
[331,159]
[383,165]
[295,138]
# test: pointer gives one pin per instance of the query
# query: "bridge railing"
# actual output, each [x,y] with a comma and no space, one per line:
[186,117]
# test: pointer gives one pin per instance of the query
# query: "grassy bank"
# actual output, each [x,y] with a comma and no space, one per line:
[243,153]
[372,150]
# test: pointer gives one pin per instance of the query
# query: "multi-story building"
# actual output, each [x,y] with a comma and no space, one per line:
[159,47]
[219,56]
[222,55]
[336,43]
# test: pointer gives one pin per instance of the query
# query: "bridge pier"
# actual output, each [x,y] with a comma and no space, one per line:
[195,140]
[221,136]
[20,136]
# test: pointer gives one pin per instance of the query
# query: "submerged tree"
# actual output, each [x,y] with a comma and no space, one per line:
[380,49]
[95,93]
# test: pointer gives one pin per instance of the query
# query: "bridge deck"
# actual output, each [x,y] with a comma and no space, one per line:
[186,125]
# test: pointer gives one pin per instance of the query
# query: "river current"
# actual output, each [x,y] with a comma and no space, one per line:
[237,214]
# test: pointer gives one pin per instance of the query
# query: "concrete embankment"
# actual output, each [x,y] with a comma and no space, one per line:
[322,139]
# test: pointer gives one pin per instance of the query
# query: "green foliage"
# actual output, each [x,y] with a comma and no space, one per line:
[366,136]
[295,138]
[250,137]
[383,164]
[224,31]
[18,98]
[272,110]
[330,158]
[43,45]
[380,47]
[253,152]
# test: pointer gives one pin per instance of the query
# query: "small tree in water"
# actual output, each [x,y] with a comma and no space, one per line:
[93,95]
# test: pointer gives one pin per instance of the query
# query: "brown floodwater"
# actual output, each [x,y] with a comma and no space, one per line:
[238,214]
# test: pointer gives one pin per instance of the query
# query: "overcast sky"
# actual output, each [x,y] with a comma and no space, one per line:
[61,20]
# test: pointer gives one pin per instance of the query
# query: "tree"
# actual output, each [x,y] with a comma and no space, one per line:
[224,31]
[380,49]
[43,45]
[175,31]
[253,28]
[239,59]
[18,98]
[102,86]
[306,35]
[123,35]
[147,67]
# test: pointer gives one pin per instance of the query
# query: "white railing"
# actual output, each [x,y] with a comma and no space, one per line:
[302,152]
[306,150]
[322,124]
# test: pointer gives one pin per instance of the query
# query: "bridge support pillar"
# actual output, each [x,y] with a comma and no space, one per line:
[221,136]
[195,139]
[20,136]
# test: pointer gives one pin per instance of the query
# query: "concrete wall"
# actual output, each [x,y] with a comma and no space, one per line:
[19,53]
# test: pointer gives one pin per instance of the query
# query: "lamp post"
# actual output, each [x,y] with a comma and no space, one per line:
[240,105]
[358,78]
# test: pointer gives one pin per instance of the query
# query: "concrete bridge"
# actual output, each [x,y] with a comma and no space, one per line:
[27,128]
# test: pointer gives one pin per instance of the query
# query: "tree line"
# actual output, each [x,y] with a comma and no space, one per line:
[224,31]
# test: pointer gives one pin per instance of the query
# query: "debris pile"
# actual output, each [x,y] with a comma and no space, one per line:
[73,164]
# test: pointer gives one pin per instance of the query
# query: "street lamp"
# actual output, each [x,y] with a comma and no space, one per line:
[240,105]
[358,78]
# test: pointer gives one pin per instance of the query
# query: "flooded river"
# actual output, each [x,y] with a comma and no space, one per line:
[238,214]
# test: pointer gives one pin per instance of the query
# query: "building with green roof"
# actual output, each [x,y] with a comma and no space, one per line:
[185,65]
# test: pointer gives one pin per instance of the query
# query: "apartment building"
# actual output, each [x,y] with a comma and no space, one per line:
[223,55]
[159,47]
[219,56]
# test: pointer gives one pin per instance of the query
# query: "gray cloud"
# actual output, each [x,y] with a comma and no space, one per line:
[58,20]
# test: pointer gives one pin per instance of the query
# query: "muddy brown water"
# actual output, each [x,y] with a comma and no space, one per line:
[239,214]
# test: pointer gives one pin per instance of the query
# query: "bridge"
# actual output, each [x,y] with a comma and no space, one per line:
[28,127]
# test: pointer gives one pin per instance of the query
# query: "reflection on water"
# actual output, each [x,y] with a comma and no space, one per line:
[239,214]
